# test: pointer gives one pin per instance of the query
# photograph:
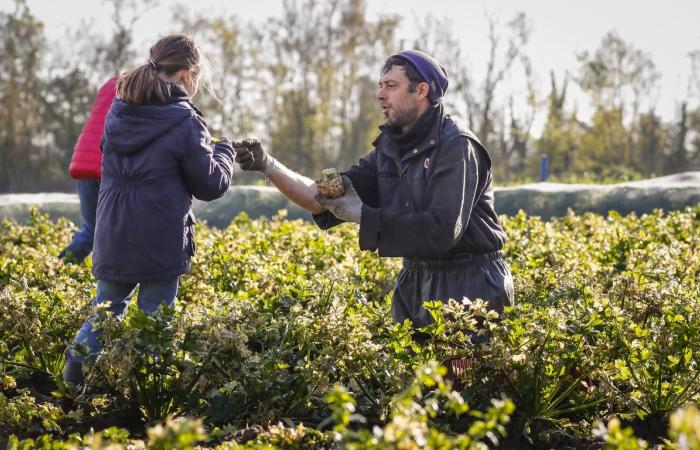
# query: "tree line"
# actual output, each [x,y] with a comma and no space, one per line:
[305,80]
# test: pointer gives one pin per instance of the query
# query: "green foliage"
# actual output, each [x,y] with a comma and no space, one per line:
[685,429]
[283,437]
[181,434]
[547,367]
[412,413]
[147,361]
[684,432]
[617,437]
[281,323]
[658,365]
[631,303]
[41,302]
[22,412]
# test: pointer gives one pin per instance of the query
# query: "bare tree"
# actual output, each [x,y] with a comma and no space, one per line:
[322,63]
[115,52]
[499,65]
[620,79]
[231,82]
[504,129]
[694,103]
[620,76]
[694,79]
[22,46]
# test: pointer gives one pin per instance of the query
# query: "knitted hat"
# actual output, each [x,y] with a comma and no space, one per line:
[432,72]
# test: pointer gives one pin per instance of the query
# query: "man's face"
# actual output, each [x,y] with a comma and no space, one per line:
[399,106]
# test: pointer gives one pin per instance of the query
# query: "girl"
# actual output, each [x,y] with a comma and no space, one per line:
[157,154]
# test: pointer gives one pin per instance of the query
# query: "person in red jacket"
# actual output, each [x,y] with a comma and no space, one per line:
[85,166]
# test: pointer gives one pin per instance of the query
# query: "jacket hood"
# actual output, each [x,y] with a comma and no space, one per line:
[130,128]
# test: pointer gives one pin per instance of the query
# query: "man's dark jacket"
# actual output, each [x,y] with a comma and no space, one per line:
[432,201]
[155,158]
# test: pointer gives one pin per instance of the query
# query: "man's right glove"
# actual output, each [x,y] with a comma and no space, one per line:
[251,156]
[348,207]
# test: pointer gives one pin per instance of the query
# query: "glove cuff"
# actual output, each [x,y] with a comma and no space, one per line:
[269,165]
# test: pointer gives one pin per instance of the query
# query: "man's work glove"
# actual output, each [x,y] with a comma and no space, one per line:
[348,207]
[251,156]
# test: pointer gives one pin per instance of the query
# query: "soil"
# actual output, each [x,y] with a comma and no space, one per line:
[331,187]
[652,428]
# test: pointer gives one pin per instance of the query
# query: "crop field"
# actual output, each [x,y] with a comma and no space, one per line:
[282,337]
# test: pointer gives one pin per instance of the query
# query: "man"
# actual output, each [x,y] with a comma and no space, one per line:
[424,193]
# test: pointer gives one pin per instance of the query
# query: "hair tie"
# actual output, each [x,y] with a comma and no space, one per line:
[153,63]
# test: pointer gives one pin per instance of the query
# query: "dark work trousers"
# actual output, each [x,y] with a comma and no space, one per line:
[472,276]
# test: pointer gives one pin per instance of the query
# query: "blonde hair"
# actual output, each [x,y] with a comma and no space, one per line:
[168,56]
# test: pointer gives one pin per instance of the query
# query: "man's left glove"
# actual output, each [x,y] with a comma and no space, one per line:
[251,156]
[348,207]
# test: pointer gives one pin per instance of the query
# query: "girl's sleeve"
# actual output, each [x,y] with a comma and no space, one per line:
[207,168]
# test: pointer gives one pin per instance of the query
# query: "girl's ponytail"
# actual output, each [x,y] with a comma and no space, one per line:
[168,56]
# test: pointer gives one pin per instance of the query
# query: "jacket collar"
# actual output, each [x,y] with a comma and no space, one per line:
[179,94]
[432,138]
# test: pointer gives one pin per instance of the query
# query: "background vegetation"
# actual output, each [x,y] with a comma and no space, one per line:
[305,82]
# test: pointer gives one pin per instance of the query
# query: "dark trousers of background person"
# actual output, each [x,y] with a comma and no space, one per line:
[81,244]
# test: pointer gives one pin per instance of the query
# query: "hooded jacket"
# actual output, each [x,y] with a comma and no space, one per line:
[156,157]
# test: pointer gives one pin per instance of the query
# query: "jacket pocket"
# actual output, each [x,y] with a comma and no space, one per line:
[190,222]
[501,281]
[388,189]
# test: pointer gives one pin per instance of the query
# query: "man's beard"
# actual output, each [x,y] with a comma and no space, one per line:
[403,116]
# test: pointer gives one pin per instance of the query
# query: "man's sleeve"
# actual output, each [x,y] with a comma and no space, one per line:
[207,168]
[450,196]
[363,176]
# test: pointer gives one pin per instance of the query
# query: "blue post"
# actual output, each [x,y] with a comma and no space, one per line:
[544,168]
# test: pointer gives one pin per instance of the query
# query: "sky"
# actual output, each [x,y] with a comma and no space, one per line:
[667,31]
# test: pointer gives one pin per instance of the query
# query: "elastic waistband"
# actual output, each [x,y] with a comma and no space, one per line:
[454,261]
[153,177]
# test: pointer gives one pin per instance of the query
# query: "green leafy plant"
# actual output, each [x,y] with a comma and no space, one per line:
[617,437]
[546,368]
[412,412]
[23,412]
[658,365]
[146,360]
[684,429]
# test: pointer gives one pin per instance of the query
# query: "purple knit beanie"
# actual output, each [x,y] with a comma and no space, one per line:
[431,71]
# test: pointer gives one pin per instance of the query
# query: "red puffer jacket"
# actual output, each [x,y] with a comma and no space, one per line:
[87,158]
